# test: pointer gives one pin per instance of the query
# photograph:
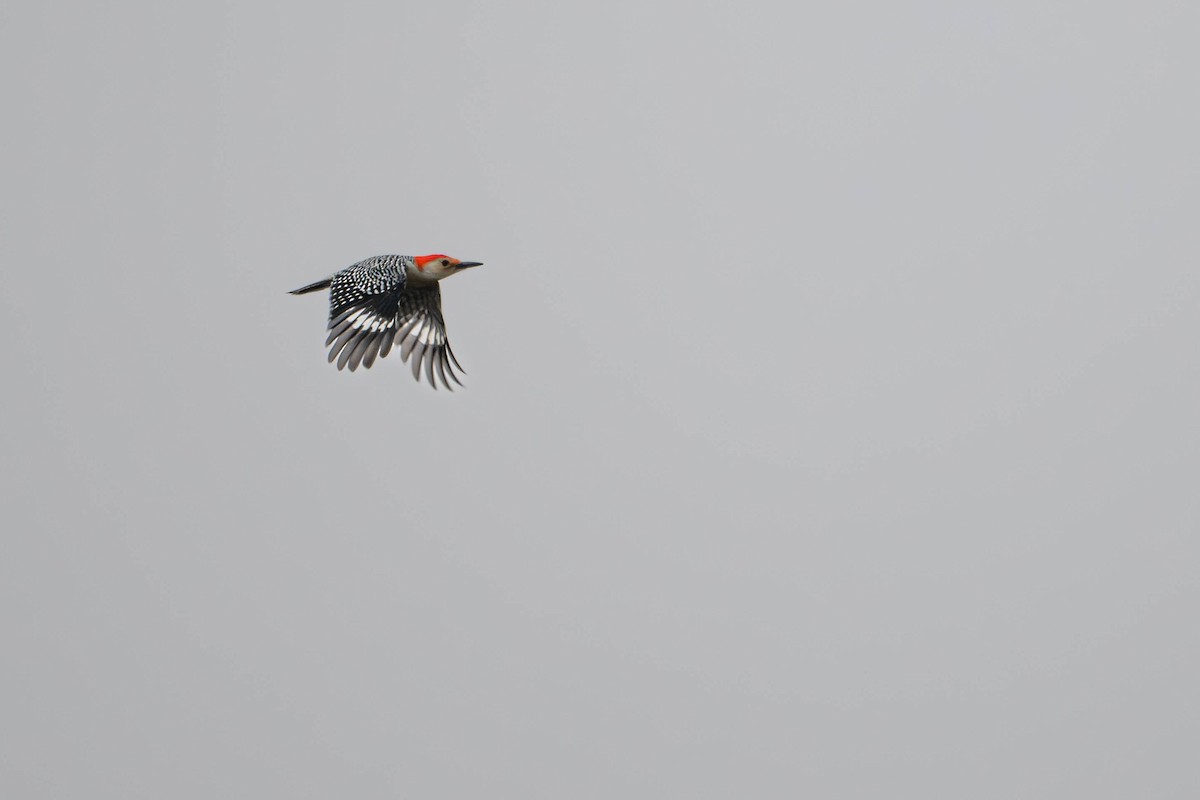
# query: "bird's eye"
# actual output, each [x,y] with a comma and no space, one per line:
[445,262]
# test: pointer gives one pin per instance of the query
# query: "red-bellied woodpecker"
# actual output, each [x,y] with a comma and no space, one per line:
[389,300]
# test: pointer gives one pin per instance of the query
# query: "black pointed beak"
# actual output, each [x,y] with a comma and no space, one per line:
[465,264]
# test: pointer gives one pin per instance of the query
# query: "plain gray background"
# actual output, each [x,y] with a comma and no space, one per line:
[830,426]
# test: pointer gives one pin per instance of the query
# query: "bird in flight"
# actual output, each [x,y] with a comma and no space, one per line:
[391,300]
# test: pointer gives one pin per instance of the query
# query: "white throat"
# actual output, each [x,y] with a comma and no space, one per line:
[415,274]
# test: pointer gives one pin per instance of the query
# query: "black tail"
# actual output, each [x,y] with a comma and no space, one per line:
[312,287]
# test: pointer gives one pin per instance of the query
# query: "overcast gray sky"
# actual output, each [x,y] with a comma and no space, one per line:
[830,426]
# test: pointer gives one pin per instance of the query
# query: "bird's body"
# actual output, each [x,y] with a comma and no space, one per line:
[389,301]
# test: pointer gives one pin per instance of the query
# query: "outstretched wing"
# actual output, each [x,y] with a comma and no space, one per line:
[421,334]
[365,326]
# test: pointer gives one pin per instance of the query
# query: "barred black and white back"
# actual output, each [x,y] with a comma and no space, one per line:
[374,306]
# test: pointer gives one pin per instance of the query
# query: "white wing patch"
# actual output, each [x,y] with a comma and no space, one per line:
[410,319]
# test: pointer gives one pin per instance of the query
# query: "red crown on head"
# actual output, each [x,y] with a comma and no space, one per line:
[423,260]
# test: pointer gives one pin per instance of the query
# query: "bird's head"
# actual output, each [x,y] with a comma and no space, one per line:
[437,266]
